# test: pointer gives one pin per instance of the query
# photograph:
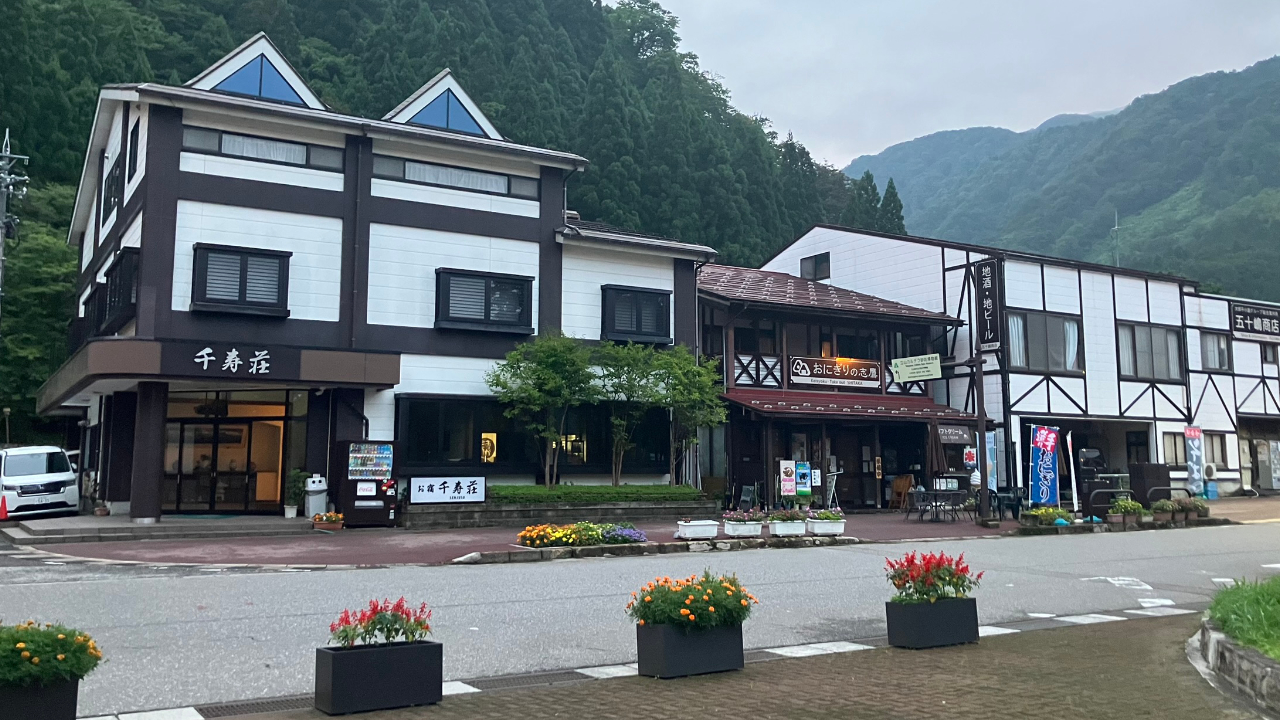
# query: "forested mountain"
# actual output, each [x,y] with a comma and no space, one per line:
[1193,172]
[669,154]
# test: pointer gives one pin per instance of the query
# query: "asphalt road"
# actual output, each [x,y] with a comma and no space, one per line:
[181,637]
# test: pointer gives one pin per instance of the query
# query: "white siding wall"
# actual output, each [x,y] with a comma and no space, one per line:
[1131,298]
[431,195]
[380,408]
[1216,399]
[316,243]
[138,115]
[112,152]
[1061,290]
[1022,287]
[260,171]
[88,246]
[1165,299]
[132,236]
[444,375]
[898,270]
[1215,314]
[587,269]
[1101,373]
[403,262]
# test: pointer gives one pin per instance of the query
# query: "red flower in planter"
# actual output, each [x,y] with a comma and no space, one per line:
[930,577]
[382,622]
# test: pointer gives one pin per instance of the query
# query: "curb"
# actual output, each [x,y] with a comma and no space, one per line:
[1087,528]
[648,548]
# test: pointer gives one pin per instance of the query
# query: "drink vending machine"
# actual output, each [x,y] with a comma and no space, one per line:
[367,490]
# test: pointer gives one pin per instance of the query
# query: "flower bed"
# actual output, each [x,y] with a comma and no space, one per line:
[1249,612]
[1047,515]
[579,534]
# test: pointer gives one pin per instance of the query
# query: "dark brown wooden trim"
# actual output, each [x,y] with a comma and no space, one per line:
[686,303]
[148,450]
[159,225]
[105,254]
[406,213]
[429,341]
[259,195]
[353,313]
[550,252]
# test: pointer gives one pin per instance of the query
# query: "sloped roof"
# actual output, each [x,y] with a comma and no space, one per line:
[844,404]
[737,284]
[608,234]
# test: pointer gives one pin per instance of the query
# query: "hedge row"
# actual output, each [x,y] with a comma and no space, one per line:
[528,494]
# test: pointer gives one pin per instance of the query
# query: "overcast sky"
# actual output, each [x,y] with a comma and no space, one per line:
[850,77]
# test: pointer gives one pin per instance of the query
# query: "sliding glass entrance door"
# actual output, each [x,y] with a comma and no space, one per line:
[223,466]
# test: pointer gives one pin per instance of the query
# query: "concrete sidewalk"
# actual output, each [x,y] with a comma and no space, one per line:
[1135,669]
[363,547]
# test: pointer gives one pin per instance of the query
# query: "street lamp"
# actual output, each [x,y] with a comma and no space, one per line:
[6,426]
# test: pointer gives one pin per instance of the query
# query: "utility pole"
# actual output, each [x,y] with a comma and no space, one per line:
[13,184]
[1115,237]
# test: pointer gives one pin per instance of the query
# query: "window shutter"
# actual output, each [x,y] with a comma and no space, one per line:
[262,280]
[466,297]
[222,276]
[624,312]
[505,302]
[650,320]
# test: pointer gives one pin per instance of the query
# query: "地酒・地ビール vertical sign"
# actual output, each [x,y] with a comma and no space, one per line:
[1044,465]
[446,489]
[1195,459]
[1254,322]
[987,288]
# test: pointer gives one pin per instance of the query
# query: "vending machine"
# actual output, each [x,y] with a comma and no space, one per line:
[366,491]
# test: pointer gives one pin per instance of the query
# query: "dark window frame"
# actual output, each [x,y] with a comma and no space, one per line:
[112,189]
[219,153]
[1137,374]
[404,179]
[523,326]
[1231,359]
[1027,348]
[608,303]
[820,266]
[1269,353]
[200,302]
[1215,443]
[1179,449]
[134,134]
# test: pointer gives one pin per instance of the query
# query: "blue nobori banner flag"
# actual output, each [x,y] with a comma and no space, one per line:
[1044,465]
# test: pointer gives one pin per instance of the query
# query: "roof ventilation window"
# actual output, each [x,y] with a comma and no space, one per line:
[260,78]
[447,112]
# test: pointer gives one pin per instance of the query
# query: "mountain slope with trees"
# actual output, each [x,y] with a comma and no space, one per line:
[1192,173]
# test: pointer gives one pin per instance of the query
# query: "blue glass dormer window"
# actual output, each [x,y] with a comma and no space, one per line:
[447,113]
[260,78]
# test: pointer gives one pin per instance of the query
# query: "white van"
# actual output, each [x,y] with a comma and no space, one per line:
[37,480]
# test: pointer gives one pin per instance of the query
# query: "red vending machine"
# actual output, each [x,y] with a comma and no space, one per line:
[366,492]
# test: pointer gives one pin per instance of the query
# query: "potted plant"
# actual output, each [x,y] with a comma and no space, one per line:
[691,626]
[697,529]
[1186,509]
[1162,510]
[786,522]
[825,522]
[932,607]
[382,660]
[326,521]
[1202,507]
[40,670]
[1127,509]
[295,493]
[743,523]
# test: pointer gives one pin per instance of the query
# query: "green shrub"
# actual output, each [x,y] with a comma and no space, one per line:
[1049,514]
[1126,507]
[529,494]
[1249,612]
[32,654]
[1164,506]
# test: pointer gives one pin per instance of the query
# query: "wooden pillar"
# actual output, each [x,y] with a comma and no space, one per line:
[148,452]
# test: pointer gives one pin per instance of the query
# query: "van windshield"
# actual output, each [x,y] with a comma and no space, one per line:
[35,464]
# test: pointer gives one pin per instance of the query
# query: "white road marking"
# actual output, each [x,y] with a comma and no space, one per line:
[1228,582]
[1273,566]
[1122,582]
[840,646]
[1042,616]
[608,671]
[798,651]
[186,713]
[990,630]
[1154,602]
[1089,619]
[454,687]
[1160,611]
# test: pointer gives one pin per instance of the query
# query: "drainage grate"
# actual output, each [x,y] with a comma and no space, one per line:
[759,656]
[253,707]
[532,680]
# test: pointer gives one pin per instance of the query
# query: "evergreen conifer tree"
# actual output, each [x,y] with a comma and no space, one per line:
[891,220]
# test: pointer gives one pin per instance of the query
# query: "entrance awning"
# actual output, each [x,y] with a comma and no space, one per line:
[815,405]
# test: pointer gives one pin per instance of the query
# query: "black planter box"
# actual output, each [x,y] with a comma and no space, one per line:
[40,702]
[669,651]
[926,625]
[378,677]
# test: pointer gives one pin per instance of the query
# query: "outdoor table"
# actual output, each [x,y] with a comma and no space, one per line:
[936,503]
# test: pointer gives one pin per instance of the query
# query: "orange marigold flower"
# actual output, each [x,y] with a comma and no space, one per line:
[62,657]
[689,601]
[692,618]
[35,661]
[641,622]
[704,597]
[712,608]
[744,602]
[25,654]
[648,598]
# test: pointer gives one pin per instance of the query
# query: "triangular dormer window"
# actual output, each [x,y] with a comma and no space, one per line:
[259,78]
[444,105]
[256,69]
[446,112]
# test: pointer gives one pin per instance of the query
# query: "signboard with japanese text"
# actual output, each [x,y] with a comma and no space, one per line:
[1254,322]
[1195,459]
[917,368]
[804,479]
[987,289]
[248,361]
[787,471]
[446,489]
[955,434]
[1044,465]
[835,372]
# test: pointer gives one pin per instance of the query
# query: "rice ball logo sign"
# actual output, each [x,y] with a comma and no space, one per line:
[800,368]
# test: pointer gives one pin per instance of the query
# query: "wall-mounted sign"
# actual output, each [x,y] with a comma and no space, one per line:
[230,360]
[1195,459]
[971,458]
[817,477]
[914,369]
[879,470]
[955,434]
[987,288]
[837,372]
[1254,322]
[446,489]
[804,479]
[787,471]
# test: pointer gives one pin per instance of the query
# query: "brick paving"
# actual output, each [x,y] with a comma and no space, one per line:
[1132,669]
